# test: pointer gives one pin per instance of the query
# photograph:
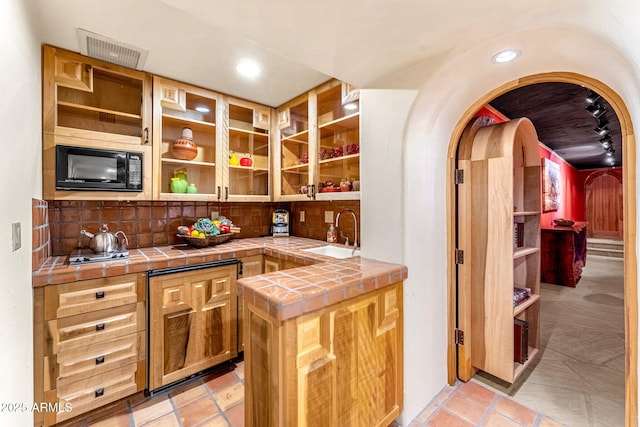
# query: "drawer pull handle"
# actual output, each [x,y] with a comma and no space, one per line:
[100,327]
[99,294]
[99,392]
[99,360]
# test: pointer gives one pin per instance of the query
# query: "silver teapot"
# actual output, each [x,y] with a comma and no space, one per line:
[104,241]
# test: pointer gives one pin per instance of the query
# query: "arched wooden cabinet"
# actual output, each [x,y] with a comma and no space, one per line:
[501,194]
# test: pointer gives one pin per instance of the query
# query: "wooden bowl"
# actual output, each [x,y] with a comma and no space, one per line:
[201,242]
[561,222]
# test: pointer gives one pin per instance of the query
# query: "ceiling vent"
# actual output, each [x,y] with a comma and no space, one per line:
[109,50]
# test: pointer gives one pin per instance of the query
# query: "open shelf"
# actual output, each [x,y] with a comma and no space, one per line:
[520,308]
[99,110]
[520,252]
[518,368]
[527,213]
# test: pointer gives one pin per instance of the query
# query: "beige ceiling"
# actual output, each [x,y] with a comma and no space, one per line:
[301,43]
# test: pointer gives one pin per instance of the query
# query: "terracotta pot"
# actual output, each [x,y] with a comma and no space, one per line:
[184,148]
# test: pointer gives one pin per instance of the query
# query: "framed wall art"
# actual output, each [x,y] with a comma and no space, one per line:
[550,186]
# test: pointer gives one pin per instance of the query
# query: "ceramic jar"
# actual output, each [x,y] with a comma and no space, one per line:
[192,189]
[178,185]
[184,148]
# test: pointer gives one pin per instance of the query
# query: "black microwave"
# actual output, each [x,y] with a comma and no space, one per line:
[92,169]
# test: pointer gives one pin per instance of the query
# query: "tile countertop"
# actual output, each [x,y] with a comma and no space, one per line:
[322,280]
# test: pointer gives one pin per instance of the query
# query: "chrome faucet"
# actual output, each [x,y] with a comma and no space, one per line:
[355,227]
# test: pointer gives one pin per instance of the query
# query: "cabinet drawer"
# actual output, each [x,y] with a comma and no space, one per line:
[90,295]
[95,327]
[79,363]
[93,392]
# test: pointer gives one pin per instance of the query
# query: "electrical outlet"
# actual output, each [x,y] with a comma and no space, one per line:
[214,215]
[16,236]
[328,217]
[301,216]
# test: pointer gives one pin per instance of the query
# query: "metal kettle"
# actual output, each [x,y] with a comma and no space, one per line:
[104,241]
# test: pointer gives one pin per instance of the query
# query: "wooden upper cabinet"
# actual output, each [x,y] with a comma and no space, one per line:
[90,103]
[319,144]
[248,151]
[338,109]
[232,139]
[179,107]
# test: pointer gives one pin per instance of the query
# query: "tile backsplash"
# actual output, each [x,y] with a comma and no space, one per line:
[40,235]
[154,223]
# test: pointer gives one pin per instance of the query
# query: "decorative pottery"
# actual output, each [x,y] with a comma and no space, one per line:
[184,148]
[192,189]
[246,160]
[178,185]
[345,185]
[233,159]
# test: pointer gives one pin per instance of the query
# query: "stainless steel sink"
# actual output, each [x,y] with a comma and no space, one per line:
[333,251]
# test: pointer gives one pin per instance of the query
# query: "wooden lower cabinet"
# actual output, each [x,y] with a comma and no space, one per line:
[251,266]
[192,322]
[89,345]
[338,366]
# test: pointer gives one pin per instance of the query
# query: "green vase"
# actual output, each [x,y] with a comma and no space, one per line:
[178,185]
[192,189]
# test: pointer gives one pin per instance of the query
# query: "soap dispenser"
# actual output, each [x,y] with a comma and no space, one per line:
[332,234]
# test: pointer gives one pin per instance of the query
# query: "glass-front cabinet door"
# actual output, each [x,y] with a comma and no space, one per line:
[185,142]
[319,143]
[247,152]
[296,148]
[338,109]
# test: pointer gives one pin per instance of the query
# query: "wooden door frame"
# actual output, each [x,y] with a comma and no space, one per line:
[629,215]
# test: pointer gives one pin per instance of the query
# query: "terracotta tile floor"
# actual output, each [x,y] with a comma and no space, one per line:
[217,400]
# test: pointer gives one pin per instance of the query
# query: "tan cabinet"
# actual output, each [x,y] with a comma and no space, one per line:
[232,162]
[192,322]
[338,366]
[90,103]
[319,143]
[251,266]
[89,344]
[500,197]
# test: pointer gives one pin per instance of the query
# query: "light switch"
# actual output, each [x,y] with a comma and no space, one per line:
[16,236]
[301,216]
[214,215]
[328,217]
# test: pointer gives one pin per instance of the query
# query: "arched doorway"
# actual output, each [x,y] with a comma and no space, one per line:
[629,217]
[604,205]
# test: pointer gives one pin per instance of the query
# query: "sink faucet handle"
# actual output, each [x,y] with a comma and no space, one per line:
[346,238]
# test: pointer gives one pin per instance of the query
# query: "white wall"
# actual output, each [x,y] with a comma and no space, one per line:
[20,172]
[382,121]
[447,89]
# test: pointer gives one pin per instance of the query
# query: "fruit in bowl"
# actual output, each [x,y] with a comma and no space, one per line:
[562,222]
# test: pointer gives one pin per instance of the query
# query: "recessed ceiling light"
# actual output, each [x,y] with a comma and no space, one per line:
[248,69]
[505,56]
[202,109]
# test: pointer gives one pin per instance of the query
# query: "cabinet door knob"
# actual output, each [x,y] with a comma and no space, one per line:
[99,392]
[99,294]
[99,360]
[100,327]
